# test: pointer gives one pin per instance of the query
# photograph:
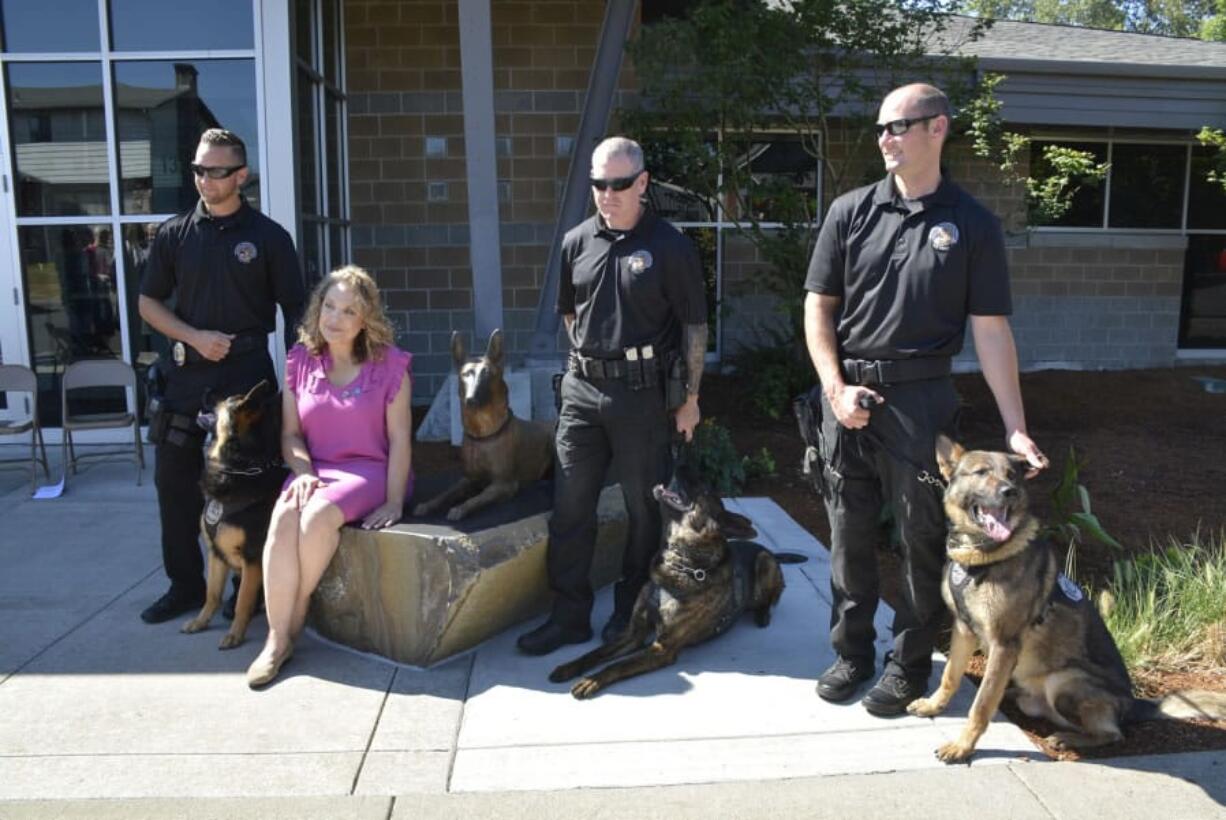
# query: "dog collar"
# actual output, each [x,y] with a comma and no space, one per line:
[501,427]
[256,468]
[961,549]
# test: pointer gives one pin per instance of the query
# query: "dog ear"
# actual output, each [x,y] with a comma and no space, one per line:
[735,525]
[255,391]
[493,351]
[949,453]
[457,349]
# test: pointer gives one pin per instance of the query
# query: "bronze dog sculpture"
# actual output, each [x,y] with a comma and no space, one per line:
[500,452]
[1005,589]
[243,473]
[700,584]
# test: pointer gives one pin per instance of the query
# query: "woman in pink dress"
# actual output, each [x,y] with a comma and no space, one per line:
[346,438]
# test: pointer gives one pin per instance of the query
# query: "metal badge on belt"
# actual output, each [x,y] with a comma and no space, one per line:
[179,351]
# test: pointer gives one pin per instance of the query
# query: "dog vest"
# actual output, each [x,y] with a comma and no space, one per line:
[1065,592]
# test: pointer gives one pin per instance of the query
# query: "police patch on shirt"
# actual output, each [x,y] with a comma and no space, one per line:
[957,574]
[212,513]
[640,261]
[943,236]
[245,252]
[1070,589]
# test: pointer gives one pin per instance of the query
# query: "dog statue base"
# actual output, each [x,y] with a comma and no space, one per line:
[427,589]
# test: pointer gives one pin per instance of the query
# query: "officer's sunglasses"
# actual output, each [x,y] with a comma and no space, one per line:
[899,127]
[618,184]
[215,171]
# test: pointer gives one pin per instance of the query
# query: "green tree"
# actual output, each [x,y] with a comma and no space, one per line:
[1176,18]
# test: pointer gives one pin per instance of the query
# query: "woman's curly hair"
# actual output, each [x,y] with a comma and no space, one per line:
[376,335]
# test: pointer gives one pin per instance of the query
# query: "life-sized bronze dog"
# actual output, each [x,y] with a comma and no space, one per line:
[700,585]
[1006,591]
[500,452]
[243,474]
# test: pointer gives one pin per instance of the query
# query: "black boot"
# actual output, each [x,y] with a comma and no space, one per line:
[840,681]
[550,636]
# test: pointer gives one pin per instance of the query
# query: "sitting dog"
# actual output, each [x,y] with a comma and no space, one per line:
[1006,592]
[499,452]
[700,584]
[243,474]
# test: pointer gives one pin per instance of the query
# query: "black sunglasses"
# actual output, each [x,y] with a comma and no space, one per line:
[618,184]
[215,171]
[899,127]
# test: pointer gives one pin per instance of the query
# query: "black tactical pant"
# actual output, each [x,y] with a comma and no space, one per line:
[863,472]
[179,463]
[604,423]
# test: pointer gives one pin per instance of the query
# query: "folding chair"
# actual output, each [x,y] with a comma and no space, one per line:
[15,378]
[99,373]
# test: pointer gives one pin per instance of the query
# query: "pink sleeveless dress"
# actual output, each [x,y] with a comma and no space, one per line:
[345,428]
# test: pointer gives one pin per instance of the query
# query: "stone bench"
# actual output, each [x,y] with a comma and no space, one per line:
[427,589]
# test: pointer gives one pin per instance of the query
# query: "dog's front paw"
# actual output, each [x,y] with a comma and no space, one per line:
[955,752]
[585,689]
[455,513]
[230,641]
[195,625]
[925,707]
[422,510]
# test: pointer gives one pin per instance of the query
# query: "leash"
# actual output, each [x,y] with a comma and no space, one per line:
[925,477]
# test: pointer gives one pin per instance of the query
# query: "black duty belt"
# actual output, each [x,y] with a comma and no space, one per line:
[185,354]
[590,368]
[892,371]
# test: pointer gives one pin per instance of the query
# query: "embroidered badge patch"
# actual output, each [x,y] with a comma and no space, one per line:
[640,261]
[1070,589]
[957,574]
[943,236]
[245,252]
[212,513]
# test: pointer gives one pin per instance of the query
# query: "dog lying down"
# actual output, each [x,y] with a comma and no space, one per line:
[1039,629]
[700,584]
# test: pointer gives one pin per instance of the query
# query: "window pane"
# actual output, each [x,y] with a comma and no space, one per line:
[332,155]
[304,43]
[785,181]
[69,275]
[58,134]
[1203,321]
[308,181]
[674,176]
[1088,202]
[706,240]
[331,25]
[162,108]
[1206,200]
[1147,185]
[145,343]
[309,246]
[337,256]
[166,25]
[26,27]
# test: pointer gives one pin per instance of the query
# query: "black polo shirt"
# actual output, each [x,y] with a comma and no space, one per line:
[226,273]
[631,288]
[909,271]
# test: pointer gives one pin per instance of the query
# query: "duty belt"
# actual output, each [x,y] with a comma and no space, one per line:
[892,371]
[590,368]
[185,354]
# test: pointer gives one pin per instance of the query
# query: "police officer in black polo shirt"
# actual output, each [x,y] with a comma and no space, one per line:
[227,267]
[897,269]
[633,300]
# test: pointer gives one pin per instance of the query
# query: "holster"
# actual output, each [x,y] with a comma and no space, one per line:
[808,410]
[674,384]
[557,391]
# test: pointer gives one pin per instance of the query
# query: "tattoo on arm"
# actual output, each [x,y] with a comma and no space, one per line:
[695,351]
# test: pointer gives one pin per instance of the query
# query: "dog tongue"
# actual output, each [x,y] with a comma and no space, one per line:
[993,523]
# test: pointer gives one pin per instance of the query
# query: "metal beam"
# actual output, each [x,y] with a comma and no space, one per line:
[484,243]
[602,84]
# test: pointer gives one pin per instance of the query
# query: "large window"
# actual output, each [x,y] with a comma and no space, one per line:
[320,115]
[104,102]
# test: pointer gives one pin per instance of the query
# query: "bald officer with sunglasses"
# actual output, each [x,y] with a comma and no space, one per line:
[227,267]
[897,269]
[632,297]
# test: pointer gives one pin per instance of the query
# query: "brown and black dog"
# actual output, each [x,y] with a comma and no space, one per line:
[500,452]
[700,585]
[1004,586]
[243,474]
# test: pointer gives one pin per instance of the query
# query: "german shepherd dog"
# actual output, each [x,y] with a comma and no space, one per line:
[699,586]
[243,474]
[499,452]
[1005,589]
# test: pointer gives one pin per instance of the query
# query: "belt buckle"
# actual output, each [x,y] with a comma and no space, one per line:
[874,370]
[179,351]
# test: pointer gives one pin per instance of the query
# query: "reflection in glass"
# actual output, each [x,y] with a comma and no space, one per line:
[330,26]
[1203,318]
[337,254]
[785,181]
[312,253]
[304,45]
[1206,200]
[332,153]
[671,191]
[1147,185]
[162,107]
[145,344]
[26,28]
[72,302]
[1088,202]
[166,25]
[58,134]
[307,174]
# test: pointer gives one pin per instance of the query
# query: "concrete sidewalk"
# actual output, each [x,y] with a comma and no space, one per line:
[104,716]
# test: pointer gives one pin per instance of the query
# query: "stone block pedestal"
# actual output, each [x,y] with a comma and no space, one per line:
[424,590]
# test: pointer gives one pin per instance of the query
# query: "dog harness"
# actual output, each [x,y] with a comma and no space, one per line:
[1064,592]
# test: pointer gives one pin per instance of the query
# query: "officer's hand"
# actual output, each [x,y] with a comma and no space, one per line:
[1022,444]
[387,514]
[300,490]
[212,344]
[847,406]
[687,417]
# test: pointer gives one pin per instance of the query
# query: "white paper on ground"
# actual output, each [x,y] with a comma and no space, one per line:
[50,490]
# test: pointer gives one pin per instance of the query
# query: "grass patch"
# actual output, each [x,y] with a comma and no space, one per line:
[1167,609]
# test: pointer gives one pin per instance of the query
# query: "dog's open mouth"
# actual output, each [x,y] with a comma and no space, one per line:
[994,521]
[671,498]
